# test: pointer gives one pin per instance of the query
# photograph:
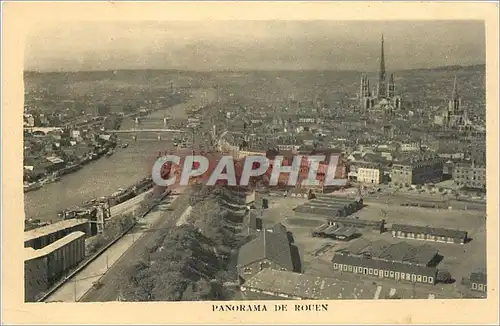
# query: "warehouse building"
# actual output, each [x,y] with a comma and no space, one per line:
[330,206]
[402,252]
[426,233]
[43,267]
[400,261]
[384,269]
[321,211]
[40,237]
[271,249]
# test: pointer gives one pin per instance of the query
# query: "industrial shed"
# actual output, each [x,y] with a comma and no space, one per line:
[44,267]
[330,206]
[426,233]
[41,237]
[355,222]
[307,209]
[337,232]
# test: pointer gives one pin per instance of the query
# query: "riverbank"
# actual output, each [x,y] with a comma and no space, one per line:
[105,176]
[72,167]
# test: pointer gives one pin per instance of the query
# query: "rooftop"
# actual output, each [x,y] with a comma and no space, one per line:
[273,245]
[401,252]
[340,258]
[337,230]
[307,286]
[430,230]
[31,253]
[52,228]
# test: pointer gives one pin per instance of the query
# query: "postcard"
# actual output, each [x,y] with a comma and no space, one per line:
[250,162]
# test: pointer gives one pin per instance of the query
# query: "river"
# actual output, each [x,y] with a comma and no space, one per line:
[106,175]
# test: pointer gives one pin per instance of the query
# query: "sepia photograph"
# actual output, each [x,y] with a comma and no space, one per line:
[246,161]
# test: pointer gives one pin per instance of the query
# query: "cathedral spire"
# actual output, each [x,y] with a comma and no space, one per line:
[454,95]
[381,73]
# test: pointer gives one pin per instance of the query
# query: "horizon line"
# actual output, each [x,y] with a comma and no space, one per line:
[246,70]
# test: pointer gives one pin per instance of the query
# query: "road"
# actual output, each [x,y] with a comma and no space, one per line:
[110,282]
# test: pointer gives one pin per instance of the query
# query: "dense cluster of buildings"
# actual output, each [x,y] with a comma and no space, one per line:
[382,143]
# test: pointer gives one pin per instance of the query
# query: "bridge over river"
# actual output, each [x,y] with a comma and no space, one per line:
[122,169]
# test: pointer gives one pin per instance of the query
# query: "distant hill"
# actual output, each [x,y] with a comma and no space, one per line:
[478,67]
[27,73]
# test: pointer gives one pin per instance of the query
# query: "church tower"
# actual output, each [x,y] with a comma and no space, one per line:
[382,88]
[391,87]
[455,101]
[365,93]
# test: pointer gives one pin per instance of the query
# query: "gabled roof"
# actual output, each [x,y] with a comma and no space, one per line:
[273,246]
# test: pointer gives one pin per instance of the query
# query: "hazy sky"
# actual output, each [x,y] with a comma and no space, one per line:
[266,45]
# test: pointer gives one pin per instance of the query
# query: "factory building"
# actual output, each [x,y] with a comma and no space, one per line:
[426,233]
[43,267]
[40,237]
[417,171]
[400,261]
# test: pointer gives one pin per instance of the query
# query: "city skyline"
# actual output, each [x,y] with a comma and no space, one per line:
[271,45]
